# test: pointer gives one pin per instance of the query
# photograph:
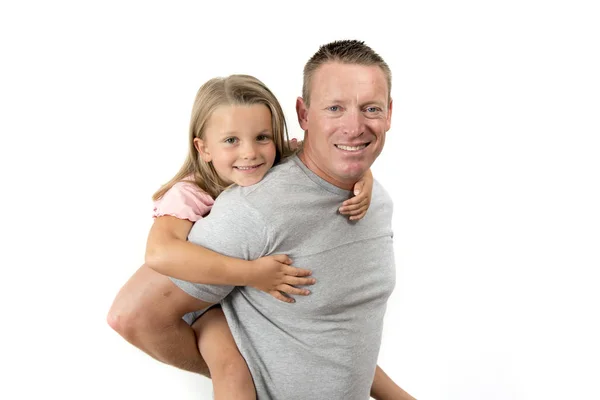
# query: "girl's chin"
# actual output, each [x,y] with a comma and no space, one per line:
[248,182]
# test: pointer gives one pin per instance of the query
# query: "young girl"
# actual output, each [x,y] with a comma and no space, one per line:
[237,133]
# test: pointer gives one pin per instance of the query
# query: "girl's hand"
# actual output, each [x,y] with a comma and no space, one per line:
[357,206]
[275,275]
[294,144]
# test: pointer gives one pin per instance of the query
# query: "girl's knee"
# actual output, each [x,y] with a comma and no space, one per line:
[230,364]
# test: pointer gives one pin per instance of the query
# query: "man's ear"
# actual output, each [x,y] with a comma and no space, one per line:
[302,112]
[202,150]
[389,117]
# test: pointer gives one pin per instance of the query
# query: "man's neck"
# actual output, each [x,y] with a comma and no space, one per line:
[314,167]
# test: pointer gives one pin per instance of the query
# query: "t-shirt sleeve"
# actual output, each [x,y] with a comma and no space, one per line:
[184,200]
[233,228]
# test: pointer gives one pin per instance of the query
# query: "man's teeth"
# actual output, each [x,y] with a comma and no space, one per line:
[351,148]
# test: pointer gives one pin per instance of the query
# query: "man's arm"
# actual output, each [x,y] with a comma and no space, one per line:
[384,388]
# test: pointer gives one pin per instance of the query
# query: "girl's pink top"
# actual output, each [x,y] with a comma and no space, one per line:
[185,200]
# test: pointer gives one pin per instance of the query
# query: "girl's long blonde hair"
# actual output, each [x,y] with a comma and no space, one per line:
[233,90]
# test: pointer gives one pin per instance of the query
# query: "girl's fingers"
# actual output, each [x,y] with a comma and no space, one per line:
[292,290]
[281,297]
[292,280]
[355,200]
[356,212]
[282,258]
[358,186]
[294,271]
[350,209]
[357,217]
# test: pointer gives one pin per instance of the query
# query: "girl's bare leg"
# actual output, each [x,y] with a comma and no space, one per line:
[228,369]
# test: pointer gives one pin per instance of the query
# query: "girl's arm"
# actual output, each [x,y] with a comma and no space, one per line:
[357,206]
[169,253]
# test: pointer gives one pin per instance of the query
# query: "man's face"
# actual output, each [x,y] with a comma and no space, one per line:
[345,125]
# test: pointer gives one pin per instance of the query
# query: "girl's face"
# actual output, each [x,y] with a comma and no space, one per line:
[238,140]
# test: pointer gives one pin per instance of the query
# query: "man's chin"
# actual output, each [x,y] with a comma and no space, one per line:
[354,173]
[351,179]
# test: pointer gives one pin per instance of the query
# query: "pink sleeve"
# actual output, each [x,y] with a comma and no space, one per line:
[184,200]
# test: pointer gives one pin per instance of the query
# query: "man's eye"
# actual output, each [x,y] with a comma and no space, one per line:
[334,108]
[373,109]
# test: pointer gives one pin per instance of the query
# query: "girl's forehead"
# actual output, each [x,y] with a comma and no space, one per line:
[239,119]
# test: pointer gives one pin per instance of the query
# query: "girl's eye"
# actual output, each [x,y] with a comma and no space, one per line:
[230,140]
[263,138]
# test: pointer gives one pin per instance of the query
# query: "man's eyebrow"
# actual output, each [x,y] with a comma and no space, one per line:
[333,101]
[371,102]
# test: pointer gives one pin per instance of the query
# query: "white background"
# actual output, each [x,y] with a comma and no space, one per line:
[492,161]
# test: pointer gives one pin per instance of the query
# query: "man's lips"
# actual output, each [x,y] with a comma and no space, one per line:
[355,147]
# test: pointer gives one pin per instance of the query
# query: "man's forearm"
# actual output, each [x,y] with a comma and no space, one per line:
[384,388]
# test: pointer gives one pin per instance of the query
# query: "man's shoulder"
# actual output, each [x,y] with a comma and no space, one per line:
[277,180]
[265,194]
[381,192]
[233,227]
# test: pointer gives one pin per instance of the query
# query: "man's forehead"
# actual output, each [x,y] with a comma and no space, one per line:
[349,81]
[357,91]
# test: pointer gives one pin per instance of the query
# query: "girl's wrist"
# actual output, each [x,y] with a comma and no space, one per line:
[240,272]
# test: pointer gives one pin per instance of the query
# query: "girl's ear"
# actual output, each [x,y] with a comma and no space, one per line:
[202,150]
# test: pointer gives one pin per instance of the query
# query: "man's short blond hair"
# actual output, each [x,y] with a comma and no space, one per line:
[345,52]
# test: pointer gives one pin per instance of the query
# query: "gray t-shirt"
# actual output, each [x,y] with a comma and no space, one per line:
[324,346]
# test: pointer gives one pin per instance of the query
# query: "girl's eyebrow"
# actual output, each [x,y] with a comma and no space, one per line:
[236,133]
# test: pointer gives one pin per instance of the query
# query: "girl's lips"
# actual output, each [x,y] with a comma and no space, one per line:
[249,168]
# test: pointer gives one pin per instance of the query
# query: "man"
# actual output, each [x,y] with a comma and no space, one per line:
[324,346]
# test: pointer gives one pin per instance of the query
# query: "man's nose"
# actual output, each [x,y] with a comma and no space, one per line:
[353,123]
